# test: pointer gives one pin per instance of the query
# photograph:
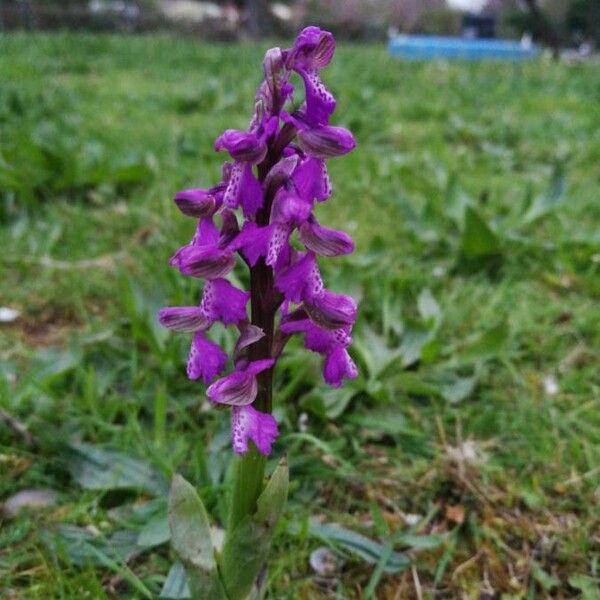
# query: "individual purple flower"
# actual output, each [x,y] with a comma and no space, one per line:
[276,173]
[201,203]
[247,423]
[331,343]
[206,359]
[221,301]
[312,52]
[246,148]
[312,180]
[243,146]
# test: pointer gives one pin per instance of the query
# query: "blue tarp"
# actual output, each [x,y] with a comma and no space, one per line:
[427,47]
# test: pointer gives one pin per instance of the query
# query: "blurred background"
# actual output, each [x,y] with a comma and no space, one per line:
[463,461]
[559,23]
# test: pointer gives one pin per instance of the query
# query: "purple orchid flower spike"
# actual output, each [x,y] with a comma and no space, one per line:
[276,177]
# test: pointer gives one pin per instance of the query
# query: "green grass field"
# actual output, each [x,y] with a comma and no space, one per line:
[470,444]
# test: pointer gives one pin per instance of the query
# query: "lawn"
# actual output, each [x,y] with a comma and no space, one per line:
[464,460]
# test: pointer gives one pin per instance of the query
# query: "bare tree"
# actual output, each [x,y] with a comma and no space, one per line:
[545,29]
[258,18]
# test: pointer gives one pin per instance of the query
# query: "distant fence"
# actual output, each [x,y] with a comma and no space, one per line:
[128,17]
[26,15]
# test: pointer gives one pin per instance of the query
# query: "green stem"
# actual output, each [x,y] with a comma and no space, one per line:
[249,469]
[248,478]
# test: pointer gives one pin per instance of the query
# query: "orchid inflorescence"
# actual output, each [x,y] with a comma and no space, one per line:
[276,174]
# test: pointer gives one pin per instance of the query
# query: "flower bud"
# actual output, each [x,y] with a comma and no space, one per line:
[324,241]
[185,319]
[196,203]
[326,141]
[332,311]
[205,261]
[243,146]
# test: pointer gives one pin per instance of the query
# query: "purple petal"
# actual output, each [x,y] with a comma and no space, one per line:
[324,241]
[320,102]
[281,172]
[229,228]
[251,193]
[276,76]
[243,146]
[338,365]
[313,49]
[236,389]
[289,207]
[196,203]
[231,198]
[247,423]
[252,241]
[258,366]
[206,359]
[312,180]
[223,301]
[249,334]
[326,141]
[207,262]
[243,188]
[293,281]
[206,234]
[280,234]
[322,340]
[185,319]
[331,311]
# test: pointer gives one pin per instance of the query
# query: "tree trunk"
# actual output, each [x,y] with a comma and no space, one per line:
[546,30]
[258,18]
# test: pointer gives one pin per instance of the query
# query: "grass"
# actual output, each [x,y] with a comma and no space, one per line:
[471,441]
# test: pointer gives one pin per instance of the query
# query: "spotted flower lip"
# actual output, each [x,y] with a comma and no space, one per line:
[312,180]
[222,301]
[247,424]
[339,366]
[206,359]
[274,178]
[243,189]
[312,52]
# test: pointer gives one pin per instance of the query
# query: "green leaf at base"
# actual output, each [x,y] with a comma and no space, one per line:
[247,545]
[191,540]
